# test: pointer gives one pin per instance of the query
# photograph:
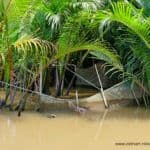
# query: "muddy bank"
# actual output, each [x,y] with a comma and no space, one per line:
[117,96]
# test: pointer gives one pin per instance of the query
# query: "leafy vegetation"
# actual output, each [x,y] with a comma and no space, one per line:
[36,33]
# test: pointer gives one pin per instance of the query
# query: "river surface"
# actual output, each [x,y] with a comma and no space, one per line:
[127,128]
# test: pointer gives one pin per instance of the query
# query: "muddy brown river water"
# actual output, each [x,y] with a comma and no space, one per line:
[123,129]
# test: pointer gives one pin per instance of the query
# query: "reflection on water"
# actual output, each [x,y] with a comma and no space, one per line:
[70,131]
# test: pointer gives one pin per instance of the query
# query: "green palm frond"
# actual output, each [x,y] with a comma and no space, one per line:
[20,14]
[1,9]
[34,45]
[58,11]
[21,8]
[91,5]
[145,4]
[129,16]
[96,48]
[143,56]
[55,21]
[133,19]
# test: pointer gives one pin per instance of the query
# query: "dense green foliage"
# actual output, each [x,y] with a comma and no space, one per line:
[34,32]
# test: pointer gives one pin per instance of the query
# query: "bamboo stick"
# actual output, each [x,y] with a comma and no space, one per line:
[77,99]
[137,101]
[41,77]
[101,88]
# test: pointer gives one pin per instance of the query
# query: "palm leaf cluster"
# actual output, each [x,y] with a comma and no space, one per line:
[35,33]
[138,25]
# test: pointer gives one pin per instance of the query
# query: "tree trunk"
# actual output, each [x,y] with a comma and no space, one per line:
[47,82]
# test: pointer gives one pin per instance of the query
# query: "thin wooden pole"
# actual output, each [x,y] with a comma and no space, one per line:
[41,79]
[77,99]
[101,88]
[137,101]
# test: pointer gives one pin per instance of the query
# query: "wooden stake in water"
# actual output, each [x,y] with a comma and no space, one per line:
[137,101]
[77,99]
[40,88]
[101,88]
